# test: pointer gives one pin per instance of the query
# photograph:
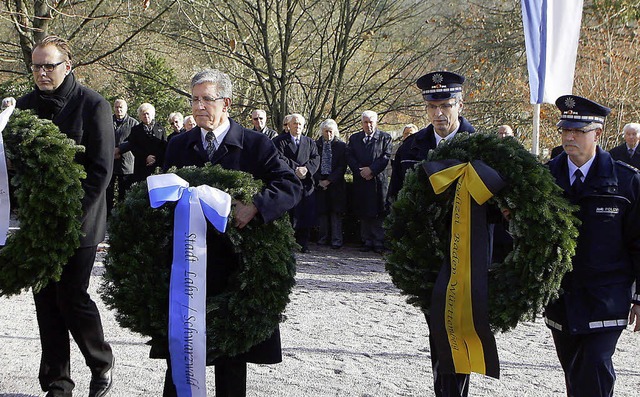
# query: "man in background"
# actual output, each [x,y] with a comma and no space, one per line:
[259,120]
[123,165]
[628,151]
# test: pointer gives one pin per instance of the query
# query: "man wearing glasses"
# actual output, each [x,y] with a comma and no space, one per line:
[595,298]
[443,93]
[259,120]
[65,307]
[218,139]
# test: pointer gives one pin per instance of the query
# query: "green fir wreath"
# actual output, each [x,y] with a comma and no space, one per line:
[48,193]
[138,265]
[542,225]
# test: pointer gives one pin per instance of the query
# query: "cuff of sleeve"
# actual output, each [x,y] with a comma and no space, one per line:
[635,298]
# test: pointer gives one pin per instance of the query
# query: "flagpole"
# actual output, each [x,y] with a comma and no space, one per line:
[535,141]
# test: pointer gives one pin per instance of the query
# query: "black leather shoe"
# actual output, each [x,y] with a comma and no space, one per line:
[365,248]
[101,384]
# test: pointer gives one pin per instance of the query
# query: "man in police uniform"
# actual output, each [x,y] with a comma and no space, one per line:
[593,307]
[443,93]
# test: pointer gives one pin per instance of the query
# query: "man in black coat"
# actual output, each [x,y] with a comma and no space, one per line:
[368,153]
[65,307]
[220,140]
[628,151]
[123,166]
[301,155]
[147,142]
[443,93]
[593,306]
[331,190]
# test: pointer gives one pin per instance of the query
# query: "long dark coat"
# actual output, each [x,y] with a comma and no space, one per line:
[369,196]
[86,118]
[413,150]
[249,151]
[596,294]
[334,199]
[123,165]
[142,145]
[620,153]
[303,215]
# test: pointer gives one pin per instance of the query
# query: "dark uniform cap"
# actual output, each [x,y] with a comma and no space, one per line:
[440,85]
[578,112]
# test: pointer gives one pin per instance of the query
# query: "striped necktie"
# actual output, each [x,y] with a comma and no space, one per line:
[212,144]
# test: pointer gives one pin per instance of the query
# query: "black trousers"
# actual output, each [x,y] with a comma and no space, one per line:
[446,385]
[123,184]
[586,361]
[65,307]
[231,380]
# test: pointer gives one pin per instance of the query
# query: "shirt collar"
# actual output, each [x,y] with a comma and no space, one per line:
[584,168]
[219,132]
[446,138]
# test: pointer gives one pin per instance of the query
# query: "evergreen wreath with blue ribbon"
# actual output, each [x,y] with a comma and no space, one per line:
[138,266]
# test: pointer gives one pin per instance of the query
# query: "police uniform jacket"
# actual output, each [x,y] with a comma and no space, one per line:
[621,153]
[123,165]
[252,152]
[334,198]
[305,154]
[142,145]
[415,149]
[596,295]
[369,196]
[84,117]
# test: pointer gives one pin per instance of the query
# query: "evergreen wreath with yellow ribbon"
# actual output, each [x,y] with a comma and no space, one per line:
[542,225]
[138,266]
[48,191]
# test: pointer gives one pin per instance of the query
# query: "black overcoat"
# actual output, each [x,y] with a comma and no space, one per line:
[621,153]
[86,118]
[249,151]
[596,295]
[334,198]
[304,155]
[369,196]
[142,145]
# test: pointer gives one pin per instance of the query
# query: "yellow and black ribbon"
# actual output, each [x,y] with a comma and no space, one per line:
[459,310]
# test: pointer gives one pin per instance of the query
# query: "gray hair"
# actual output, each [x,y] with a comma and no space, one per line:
[175,114]
[146,106]
[329,123]
[297,116]
[370,114]
[632,126]
[222,82]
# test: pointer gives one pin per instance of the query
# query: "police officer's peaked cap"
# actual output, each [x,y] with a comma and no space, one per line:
[440,85]
[578,112]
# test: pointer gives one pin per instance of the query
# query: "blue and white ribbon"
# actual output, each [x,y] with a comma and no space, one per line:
[187,290]
[5,205]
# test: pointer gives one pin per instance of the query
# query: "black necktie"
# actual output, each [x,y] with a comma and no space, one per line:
[631,151]
[577,183]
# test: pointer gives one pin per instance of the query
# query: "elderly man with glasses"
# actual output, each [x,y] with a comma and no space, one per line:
[442,92]
[596,300]
[218,139]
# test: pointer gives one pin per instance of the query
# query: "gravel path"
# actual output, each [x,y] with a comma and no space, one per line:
[348,332]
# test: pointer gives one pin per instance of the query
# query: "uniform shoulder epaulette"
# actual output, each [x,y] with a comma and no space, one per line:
[628,166]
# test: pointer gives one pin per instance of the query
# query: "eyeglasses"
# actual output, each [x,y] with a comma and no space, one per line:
[443,108]
[47,67]
[205,100]
[575,131]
